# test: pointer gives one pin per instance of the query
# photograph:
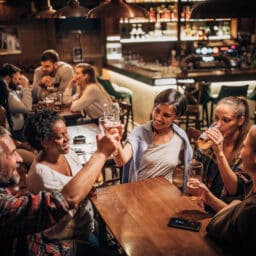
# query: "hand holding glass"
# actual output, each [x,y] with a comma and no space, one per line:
[203,141]
[111,117]
[195,174]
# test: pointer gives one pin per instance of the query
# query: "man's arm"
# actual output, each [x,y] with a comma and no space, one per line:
[66,74]
[79,187]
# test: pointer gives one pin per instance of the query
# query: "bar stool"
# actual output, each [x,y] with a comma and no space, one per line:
[118,92]
[197,98]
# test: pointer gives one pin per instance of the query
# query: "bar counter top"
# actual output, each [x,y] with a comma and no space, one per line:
[155,74]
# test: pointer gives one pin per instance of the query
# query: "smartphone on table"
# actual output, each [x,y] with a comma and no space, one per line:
[182,223]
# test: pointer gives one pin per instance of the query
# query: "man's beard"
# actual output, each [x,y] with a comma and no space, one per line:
[12,86]
[6,181]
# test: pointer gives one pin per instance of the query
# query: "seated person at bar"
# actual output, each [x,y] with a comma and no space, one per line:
[53,168]
[19,98]
[23,148]
[22,217]
[53,75]
[90,97]
[222,172]
[234,224]
[154,149]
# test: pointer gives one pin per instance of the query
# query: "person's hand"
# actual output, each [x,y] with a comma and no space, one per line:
[23,81]
[112,130]
[107,144]
[48,81]
[216,137]
[72,83]
[201,189]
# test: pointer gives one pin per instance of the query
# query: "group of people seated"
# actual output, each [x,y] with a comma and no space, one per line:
[79,88]
[54,214]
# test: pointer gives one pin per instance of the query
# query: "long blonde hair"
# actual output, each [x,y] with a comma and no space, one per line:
[241,107]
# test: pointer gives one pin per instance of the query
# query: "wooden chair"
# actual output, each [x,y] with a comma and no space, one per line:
[193,94]
[116,172]
[125,112]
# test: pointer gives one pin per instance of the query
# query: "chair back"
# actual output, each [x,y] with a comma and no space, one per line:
[106,84]
[3,117]
[125,112]
[226,91]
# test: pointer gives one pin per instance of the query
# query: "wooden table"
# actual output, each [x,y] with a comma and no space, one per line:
[137,214]
[89,131]
[64,111]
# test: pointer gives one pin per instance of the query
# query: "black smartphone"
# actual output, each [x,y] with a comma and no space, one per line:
[184,224]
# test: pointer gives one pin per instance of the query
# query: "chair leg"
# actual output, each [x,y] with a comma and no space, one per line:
[211,116]
[132,116]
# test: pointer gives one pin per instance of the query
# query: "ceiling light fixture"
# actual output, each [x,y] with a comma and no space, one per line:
[46,11]
[117,9]
[73,9]
[224,9]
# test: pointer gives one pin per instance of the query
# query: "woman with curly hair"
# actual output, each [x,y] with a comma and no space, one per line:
[53,168]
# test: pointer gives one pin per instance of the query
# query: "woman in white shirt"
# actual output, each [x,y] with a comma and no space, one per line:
[53,168]
[90,96]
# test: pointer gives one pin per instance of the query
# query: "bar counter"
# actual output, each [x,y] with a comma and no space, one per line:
[146,81]
[152,74]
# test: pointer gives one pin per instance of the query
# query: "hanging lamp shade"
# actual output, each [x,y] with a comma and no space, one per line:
[224,9]
[117,9]
[45,11]
[73,9]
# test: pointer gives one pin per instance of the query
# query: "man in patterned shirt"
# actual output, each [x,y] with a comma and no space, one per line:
[23,217]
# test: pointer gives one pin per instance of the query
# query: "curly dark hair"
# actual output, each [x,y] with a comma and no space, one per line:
[38,127]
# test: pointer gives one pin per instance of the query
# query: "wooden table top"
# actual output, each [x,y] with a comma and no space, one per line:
[64,111]
[89,131]
[137,215]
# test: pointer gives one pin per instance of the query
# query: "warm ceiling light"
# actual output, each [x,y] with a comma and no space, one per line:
[224,9]
[73,9]
[117,9]
[46,11]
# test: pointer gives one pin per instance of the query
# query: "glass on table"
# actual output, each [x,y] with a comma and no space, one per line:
[195,176]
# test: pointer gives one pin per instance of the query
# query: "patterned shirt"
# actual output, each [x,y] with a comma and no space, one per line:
[23,217]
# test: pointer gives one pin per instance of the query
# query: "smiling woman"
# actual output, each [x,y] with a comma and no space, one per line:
[54,167]
[148,148]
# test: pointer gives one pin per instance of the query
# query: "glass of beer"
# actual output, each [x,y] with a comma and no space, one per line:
[203,141]
[195,176]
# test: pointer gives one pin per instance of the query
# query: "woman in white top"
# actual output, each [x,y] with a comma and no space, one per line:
[90,96]
[53,168]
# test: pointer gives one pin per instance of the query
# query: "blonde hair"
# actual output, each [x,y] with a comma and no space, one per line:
[241,108]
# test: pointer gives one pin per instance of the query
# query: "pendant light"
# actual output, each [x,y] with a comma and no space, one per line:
[224,9]
[45,11]
[73,9]
[117,9]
